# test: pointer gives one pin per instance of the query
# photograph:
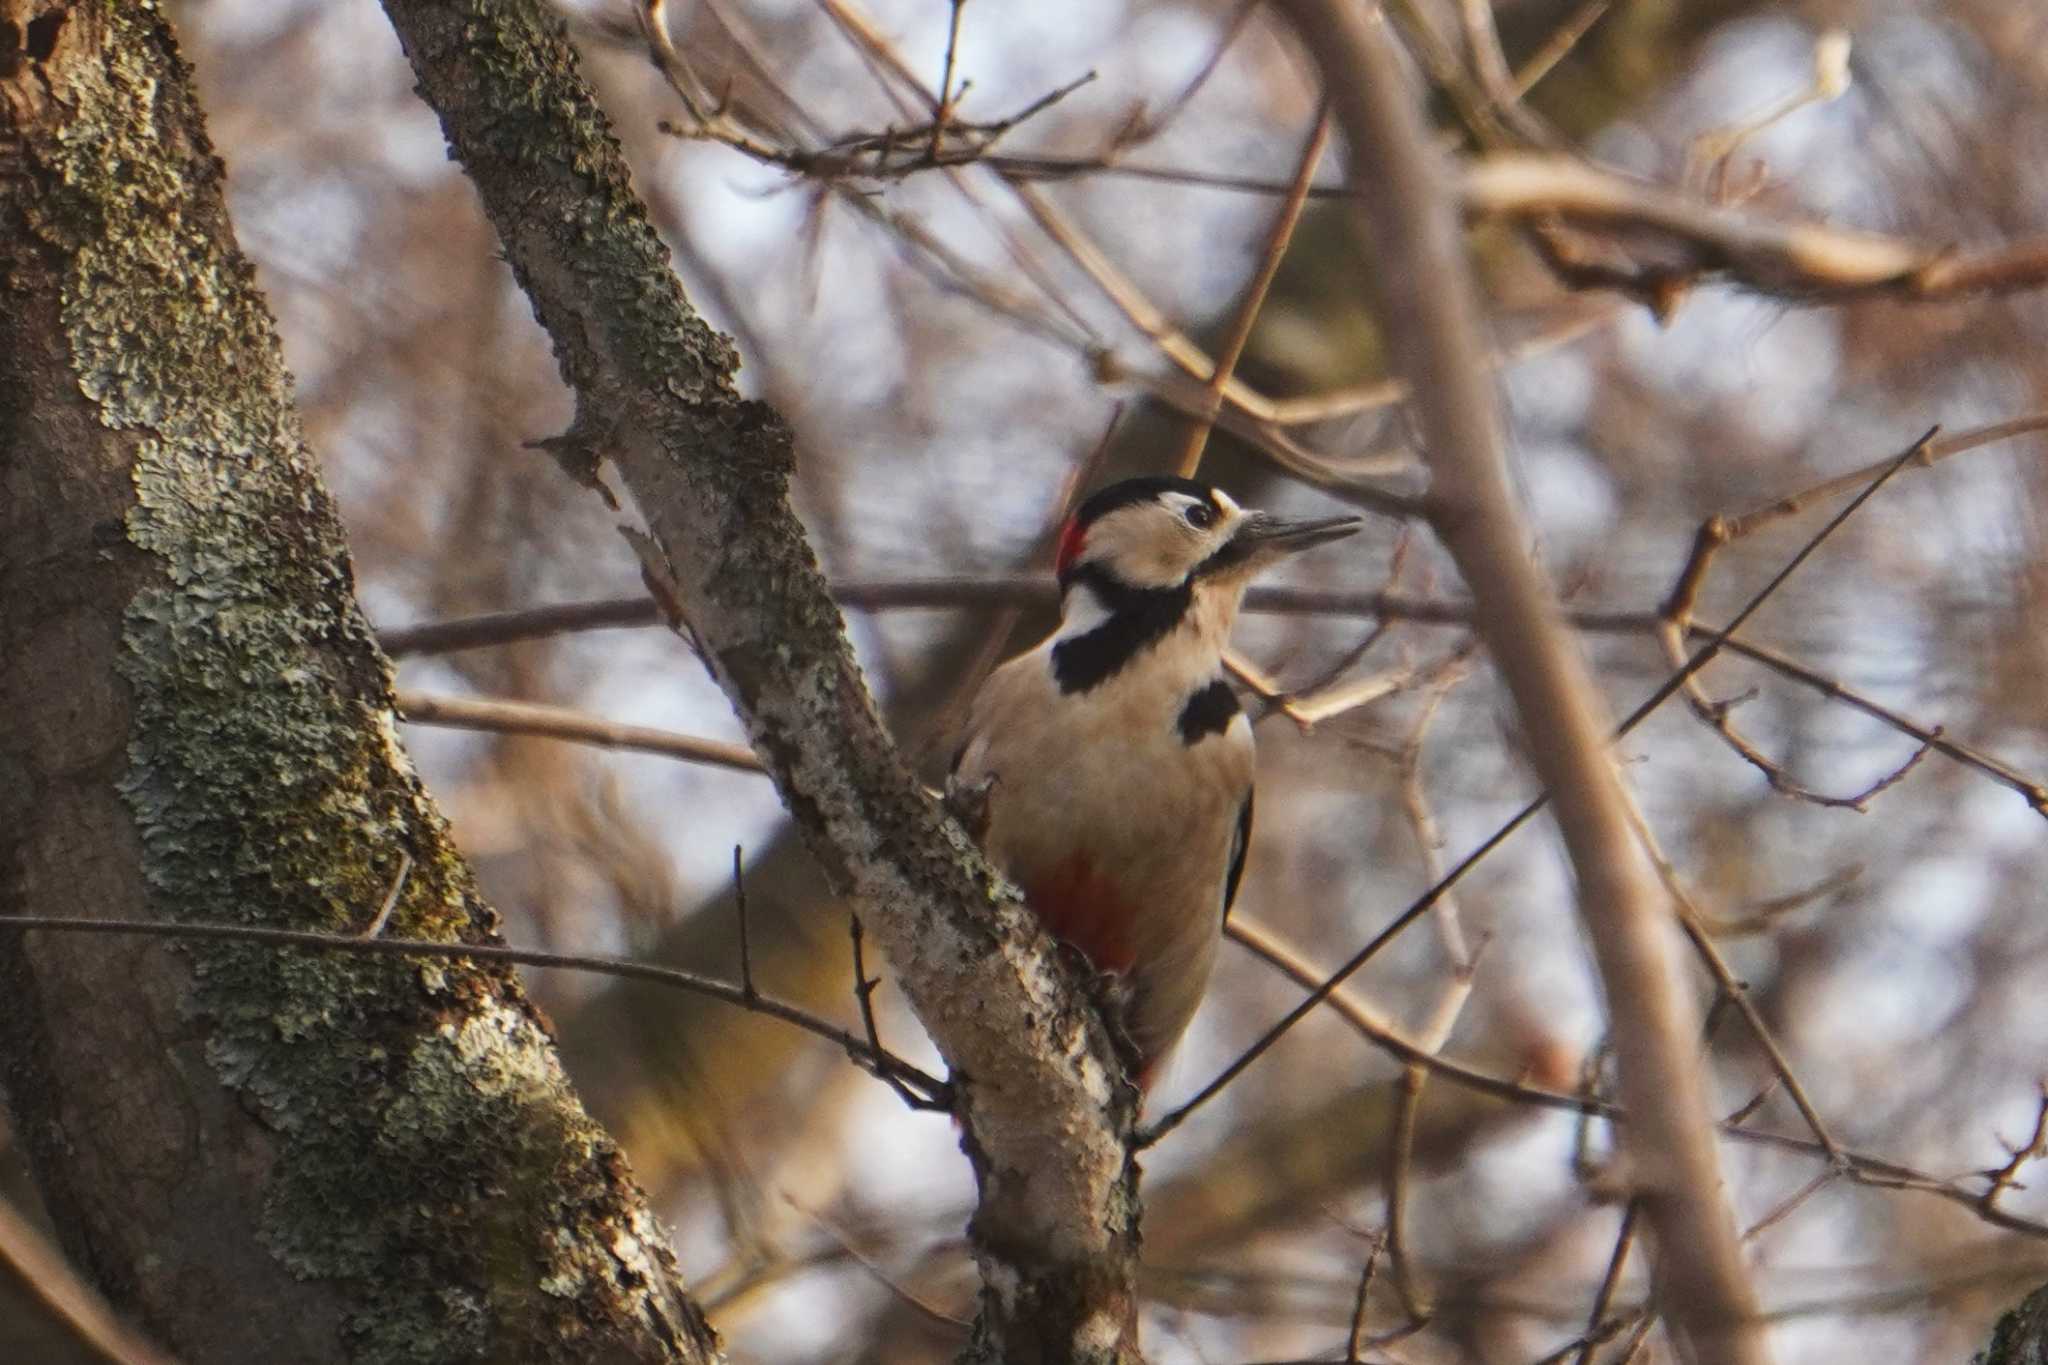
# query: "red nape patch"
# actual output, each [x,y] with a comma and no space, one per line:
[1071,538]
[1081,907]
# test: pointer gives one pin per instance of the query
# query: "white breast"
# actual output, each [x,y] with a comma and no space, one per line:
[1106,774]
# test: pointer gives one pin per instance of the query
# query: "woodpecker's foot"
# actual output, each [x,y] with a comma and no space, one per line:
[967,802]
[1116,997]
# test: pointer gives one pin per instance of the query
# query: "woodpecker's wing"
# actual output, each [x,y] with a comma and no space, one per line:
[1240,844]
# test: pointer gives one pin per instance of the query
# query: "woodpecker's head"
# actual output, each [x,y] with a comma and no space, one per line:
[1177,535]
[1151,572]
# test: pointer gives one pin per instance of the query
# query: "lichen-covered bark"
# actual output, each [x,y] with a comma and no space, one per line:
[2021,1337]
[259,1155]
[1044,1116]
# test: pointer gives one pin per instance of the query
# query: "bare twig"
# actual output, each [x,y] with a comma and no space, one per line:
[1355,1338]
[1861,1167]
[1559,45]
[1194,368]
[1610,1282]
[1026,590]
[1800,260]
[1463,958]
[43,1277]
[1745,1111]
[2006,1177]
[864,993]
[1698,238]
[1733,990]
[1713,534]
[383,916]
[509,627]
[1760,915]
[500,716]
[739,897]
[1568,327]
[857,1048]
[1147,127]
[1490,65]
[1401,1141]
[2034,793]
[1791,1203]
[1278,236]
[947,97]
[901,1292]
[1597,1336]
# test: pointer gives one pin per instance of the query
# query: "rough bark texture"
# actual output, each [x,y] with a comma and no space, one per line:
[1430,309]
[259,1155]
[2021,1337]
[1042,1110]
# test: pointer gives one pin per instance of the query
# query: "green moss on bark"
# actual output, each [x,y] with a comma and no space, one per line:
[430,1162]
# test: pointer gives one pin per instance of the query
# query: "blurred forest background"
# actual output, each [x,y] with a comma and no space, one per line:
[944,345]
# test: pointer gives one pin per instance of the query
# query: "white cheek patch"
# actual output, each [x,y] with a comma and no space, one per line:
[1083,610]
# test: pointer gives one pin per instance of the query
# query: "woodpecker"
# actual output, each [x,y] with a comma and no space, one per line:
[1111,765]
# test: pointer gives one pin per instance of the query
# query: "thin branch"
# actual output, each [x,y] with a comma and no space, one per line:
[856,1048]
[1862,1167]
[1401,1141]
[2006,1177]
[500,716]
[1374,395]
[1355,1338]
[2033,792]
[1490,65]
[1596,1336]
[1733,990]
[1759,915]
[510,627]
[1272,948]
[40,1274]
[739,896]
[1278,237]
[996,592]
[901,1292]
[1717,532]
[1559,45]
[1610,1282]
[1800,260]
[1747,1110]
[1326,989]
[947,96]
[383,915]
[1145,128]
[864,993]
[1791,1203]
[1195,369]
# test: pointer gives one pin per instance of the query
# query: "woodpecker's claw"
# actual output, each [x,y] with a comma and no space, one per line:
[967,802]
[1116,996]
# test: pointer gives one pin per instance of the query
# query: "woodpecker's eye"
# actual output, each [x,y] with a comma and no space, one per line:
[1200,515]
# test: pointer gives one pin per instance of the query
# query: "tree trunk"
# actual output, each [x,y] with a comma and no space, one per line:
[2021,1337]
[260,1155]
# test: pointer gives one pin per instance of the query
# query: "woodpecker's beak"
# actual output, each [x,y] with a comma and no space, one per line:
[1262,538]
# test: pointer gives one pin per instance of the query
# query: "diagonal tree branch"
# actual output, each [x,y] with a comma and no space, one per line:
[1043,1115]
[1410,226]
